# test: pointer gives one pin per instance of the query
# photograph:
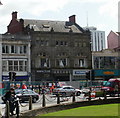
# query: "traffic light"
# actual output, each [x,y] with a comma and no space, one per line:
[88,75]
[12,76]
[92,75]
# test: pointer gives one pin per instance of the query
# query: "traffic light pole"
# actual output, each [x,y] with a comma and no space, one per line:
[90,78]
[12,76]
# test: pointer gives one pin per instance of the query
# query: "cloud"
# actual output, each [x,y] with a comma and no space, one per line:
[90,1]
[32,8]
[36,8]
[110,8]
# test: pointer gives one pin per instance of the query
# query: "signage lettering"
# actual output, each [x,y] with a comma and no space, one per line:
[109,73]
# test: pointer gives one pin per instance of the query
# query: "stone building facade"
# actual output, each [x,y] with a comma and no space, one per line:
[16,57]
[60,50]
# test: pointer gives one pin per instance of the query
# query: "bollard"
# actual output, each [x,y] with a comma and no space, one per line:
[118,93]
[7,109]
[17,109]
[73,100]
[105,97]
[89,95]
[43,102]
[30,103]
[39,89]
[58,99]
[32,87]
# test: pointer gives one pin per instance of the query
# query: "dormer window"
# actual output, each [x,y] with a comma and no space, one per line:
[67,27]
[46,26]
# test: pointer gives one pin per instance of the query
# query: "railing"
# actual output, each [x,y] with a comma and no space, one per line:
[49,99]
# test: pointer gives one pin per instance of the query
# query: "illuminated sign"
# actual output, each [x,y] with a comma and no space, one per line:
[108,73]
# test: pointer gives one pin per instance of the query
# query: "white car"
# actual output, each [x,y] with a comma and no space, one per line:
[66,91]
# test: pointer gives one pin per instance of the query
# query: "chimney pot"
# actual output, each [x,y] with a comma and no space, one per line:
[72,19]
[14,15]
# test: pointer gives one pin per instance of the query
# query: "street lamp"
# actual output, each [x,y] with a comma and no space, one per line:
[1,64]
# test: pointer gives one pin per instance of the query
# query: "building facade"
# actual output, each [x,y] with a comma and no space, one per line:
[113,40]
[98,41]
[60,50]
[119,16]
[16,57]
[106,64]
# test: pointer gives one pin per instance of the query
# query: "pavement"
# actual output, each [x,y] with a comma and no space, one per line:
[50,101]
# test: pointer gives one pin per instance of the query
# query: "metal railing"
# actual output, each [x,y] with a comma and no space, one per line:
[45,100]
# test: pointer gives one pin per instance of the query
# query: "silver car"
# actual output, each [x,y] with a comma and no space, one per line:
[66,91]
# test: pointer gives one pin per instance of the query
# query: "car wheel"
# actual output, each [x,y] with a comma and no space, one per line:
[78,93]
[34,100]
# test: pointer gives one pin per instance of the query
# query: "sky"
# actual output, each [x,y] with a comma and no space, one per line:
[102,14]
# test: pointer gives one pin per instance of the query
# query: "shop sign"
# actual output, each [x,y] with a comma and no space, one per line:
[43,71]
[79,72]
[108,73]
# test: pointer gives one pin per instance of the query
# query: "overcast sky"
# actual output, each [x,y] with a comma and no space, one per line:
[102,14]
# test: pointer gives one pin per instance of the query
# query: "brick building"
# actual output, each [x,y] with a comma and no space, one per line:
[113,40]
[60,50]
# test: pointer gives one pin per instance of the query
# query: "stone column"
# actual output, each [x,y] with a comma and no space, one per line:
[29,60]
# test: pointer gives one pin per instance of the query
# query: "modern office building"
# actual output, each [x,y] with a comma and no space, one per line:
[98,41]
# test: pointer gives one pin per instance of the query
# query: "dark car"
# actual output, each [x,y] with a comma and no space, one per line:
[24,95]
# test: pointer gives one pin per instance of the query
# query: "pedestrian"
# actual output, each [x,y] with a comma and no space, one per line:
[52,88]
[10,96]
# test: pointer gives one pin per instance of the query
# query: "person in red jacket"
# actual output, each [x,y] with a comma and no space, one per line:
[52,87]
[24,86]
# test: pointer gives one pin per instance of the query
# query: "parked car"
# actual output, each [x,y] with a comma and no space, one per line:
[66,91]
[24,95]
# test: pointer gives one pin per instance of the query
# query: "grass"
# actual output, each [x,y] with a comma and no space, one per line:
[108,111]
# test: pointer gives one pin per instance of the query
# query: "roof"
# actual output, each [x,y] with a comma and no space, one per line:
[56,26]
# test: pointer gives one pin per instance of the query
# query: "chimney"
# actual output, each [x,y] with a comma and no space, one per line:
[14,15]
[72,19]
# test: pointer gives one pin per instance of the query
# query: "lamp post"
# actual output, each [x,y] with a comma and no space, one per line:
[1,64]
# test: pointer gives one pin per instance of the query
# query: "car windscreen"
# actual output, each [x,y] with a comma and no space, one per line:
[18,91]
[108,84]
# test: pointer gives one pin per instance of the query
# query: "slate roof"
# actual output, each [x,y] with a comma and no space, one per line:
[56,26]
